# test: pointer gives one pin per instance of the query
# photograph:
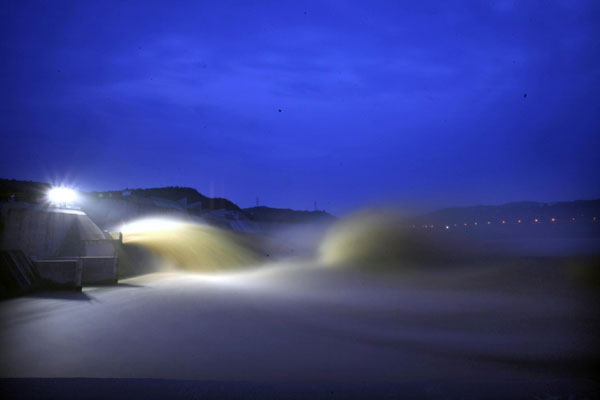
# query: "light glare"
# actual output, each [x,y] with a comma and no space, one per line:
[62,195]
[150,225]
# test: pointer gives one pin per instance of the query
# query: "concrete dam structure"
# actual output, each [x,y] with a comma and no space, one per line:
[65,246]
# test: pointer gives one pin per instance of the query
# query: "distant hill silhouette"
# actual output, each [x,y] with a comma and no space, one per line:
[35,192]
[286,215]
[29,191]
[176,193]
[526,212]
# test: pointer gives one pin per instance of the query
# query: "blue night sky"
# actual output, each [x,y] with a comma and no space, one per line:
[420,103]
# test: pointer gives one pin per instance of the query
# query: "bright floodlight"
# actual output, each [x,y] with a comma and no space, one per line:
[62,195]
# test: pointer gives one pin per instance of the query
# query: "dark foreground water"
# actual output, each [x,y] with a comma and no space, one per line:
[517,329]
[92,389]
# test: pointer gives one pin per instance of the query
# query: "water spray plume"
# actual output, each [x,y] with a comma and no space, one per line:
[377,239]
[150,225]
[191,246]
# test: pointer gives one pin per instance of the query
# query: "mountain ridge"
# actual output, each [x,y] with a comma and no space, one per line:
[11,189]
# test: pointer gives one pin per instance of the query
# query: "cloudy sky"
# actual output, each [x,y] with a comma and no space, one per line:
[346,103]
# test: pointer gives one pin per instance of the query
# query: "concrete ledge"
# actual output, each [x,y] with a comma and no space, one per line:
[118,236]
[99,270]
[60,274]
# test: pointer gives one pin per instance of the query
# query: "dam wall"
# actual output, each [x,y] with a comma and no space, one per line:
[60,274]
[18,275]
[66,248]
[99,270]
[41,231]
